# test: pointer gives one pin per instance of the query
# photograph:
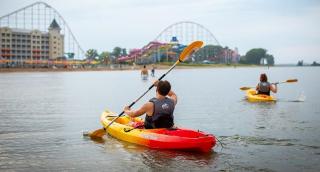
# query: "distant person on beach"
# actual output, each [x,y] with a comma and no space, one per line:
[152,71]
[144,71]
[159,110]
[264,87]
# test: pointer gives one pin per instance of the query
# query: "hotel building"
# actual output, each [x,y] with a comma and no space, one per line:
[18,45]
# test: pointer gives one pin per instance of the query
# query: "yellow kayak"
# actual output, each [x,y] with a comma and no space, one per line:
[162,138]
[252,96]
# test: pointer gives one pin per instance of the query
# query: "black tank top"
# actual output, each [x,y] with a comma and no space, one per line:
[162,116]
[264,88]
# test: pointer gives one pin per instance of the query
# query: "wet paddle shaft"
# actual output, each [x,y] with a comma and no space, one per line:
[193,47]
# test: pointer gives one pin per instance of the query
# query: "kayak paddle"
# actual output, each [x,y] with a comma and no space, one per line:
[193,47]
[287,81]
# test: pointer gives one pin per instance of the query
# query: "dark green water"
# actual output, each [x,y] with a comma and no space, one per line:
[43,115]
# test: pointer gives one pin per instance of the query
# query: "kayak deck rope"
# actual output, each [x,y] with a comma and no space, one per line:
[130,129]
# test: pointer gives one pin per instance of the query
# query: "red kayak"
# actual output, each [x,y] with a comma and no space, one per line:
[175,138]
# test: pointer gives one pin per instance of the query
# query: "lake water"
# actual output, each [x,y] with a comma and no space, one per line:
[43,115]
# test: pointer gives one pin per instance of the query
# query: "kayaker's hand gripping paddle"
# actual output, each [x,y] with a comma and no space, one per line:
[193,47]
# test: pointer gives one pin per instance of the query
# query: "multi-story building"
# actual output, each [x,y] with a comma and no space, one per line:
[18,45]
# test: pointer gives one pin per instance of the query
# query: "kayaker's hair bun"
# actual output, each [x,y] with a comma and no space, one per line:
[163,87]
[263,78]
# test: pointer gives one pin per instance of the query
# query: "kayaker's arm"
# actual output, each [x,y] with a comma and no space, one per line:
[173,96]
[142,110]
[274,88]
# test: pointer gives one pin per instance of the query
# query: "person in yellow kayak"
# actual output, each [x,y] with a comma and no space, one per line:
[264,87]
[159,110]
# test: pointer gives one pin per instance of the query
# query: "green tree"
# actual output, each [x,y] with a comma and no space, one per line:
[270,59]
[300,63]
[105,57]
[116,51]
[243,60]
[315,64]
[255,55]
[124,52]
[209,52]
[91,54]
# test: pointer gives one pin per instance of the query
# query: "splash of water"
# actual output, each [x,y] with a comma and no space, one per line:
[301,97]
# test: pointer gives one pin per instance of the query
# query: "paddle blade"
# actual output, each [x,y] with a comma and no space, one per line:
[190,49]
[292,80]
[97,134]
[245,88]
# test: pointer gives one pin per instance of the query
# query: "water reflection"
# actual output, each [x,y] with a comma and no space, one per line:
[169,159]
[158,160]
[43,116]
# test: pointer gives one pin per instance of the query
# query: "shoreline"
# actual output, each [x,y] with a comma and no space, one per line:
[130,67]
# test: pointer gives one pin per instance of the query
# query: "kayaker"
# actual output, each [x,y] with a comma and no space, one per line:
[159,110]
[264,87]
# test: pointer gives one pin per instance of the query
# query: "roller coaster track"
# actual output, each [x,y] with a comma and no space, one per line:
[38,16]
[187,32]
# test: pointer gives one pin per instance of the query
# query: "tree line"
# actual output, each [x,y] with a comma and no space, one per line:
[215,53]
[257,56]
[106,57]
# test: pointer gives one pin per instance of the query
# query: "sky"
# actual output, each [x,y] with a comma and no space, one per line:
[287,29]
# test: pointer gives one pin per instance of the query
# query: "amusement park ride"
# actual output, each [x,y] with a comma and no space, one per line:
[38,16]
